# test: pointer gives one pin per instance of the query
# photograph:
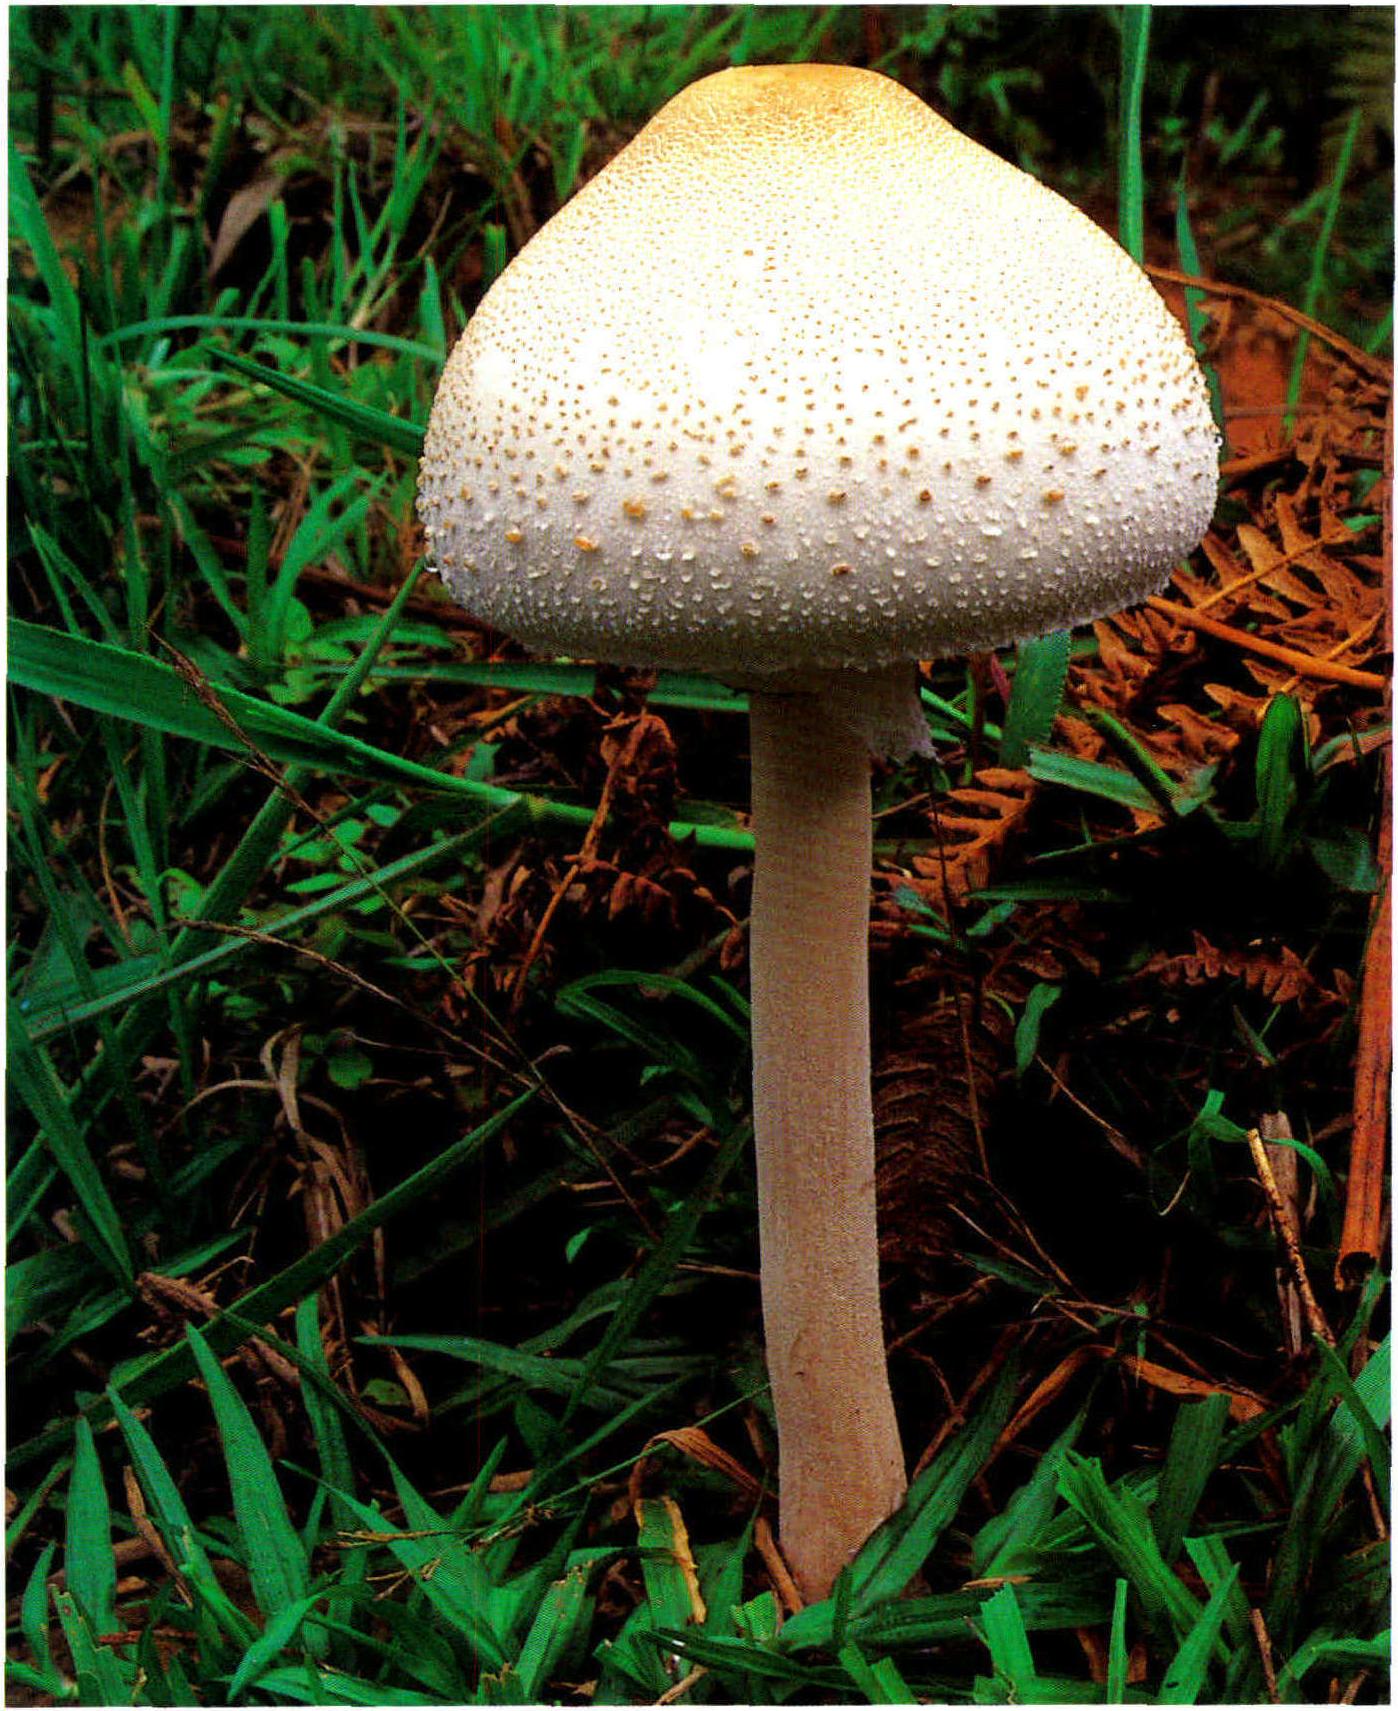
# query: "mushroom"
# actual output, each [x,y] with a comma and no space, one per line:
[801,388]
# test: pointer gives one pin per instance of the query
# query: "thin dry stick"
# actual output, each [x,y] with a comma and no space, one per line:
[109,884]
[586,855]
[786,1587]
[940,1311]
[1275,1128]
[671,1694]
[972,1098]
[1281,1217]
[1304,665]
[1373,366]
[1250,462]
[1377,1513]
[957,1415]
[1361,1237]
[536,942]
[146,1530]
[1264,1651]
[1115,1139]
[1362,634]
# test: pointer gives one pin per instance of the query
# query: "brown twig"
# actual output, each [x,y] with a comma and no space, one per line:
[1275,1129]
[958,998]
[1264,1651]
[1118,1142]
[109,884]
[1291,1241]
[671,1694]
[1362,634]
[786,1587]
[1251,462]
[1374,366]
[578,864]
[940,1311]
[957,1415]
[1361,1237]
[437,607]
[1304,665]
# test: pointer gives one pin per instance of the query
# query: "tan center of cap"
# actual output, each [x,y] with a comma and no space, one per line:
[806,378]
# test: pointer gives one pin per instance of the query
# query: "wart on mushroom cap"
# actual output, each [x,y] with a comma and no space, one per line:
[804,378]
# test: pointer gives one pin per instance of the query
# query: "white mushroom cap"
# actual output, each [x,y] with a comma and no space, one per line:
[805,378]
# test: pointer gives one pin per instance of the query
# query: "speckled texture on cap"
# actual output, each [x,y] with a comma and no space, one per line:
[806,378]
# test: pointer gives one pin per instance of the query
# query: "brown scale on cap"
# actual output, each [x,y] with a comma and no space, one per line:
[787,269]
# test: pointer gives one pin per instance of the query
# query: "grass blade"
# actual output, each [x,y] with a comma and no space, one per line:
[1334,1651]
[130,685]
[1210,1556]
[1130,177]
[339,332]
[1118,1657]
[1356,1430]
[101,1676]
[444,1566]
[660,1266]
[895,1553]
[1008,1644]
[336,1467]
[27,223]
[880,1683]
[280,1631]
[1184,1679]
[171,1516]
[58,1019]
[1120,1523]
[88,1563]
[391,432]
[1315,282]
[133,686]
[667,1564]
[1005,1543]
[1281,763]
[1041,676]
[1195,318]
[1093,777]
[33,1079]
[34,1620]
[275,1561]
[1193,1455]
[533,1372]
[333,1687]
[562,1623]
[316,534]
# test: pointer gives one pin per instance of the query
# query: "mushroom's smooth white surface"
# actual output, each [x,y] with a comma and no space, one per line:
[802,387]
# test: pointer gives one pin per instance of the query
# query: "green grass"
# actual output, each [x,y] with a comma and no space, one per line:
[295,1148]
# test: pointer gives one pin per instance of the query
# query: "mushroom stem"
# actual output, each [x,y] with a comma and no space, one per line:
[841,1461]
